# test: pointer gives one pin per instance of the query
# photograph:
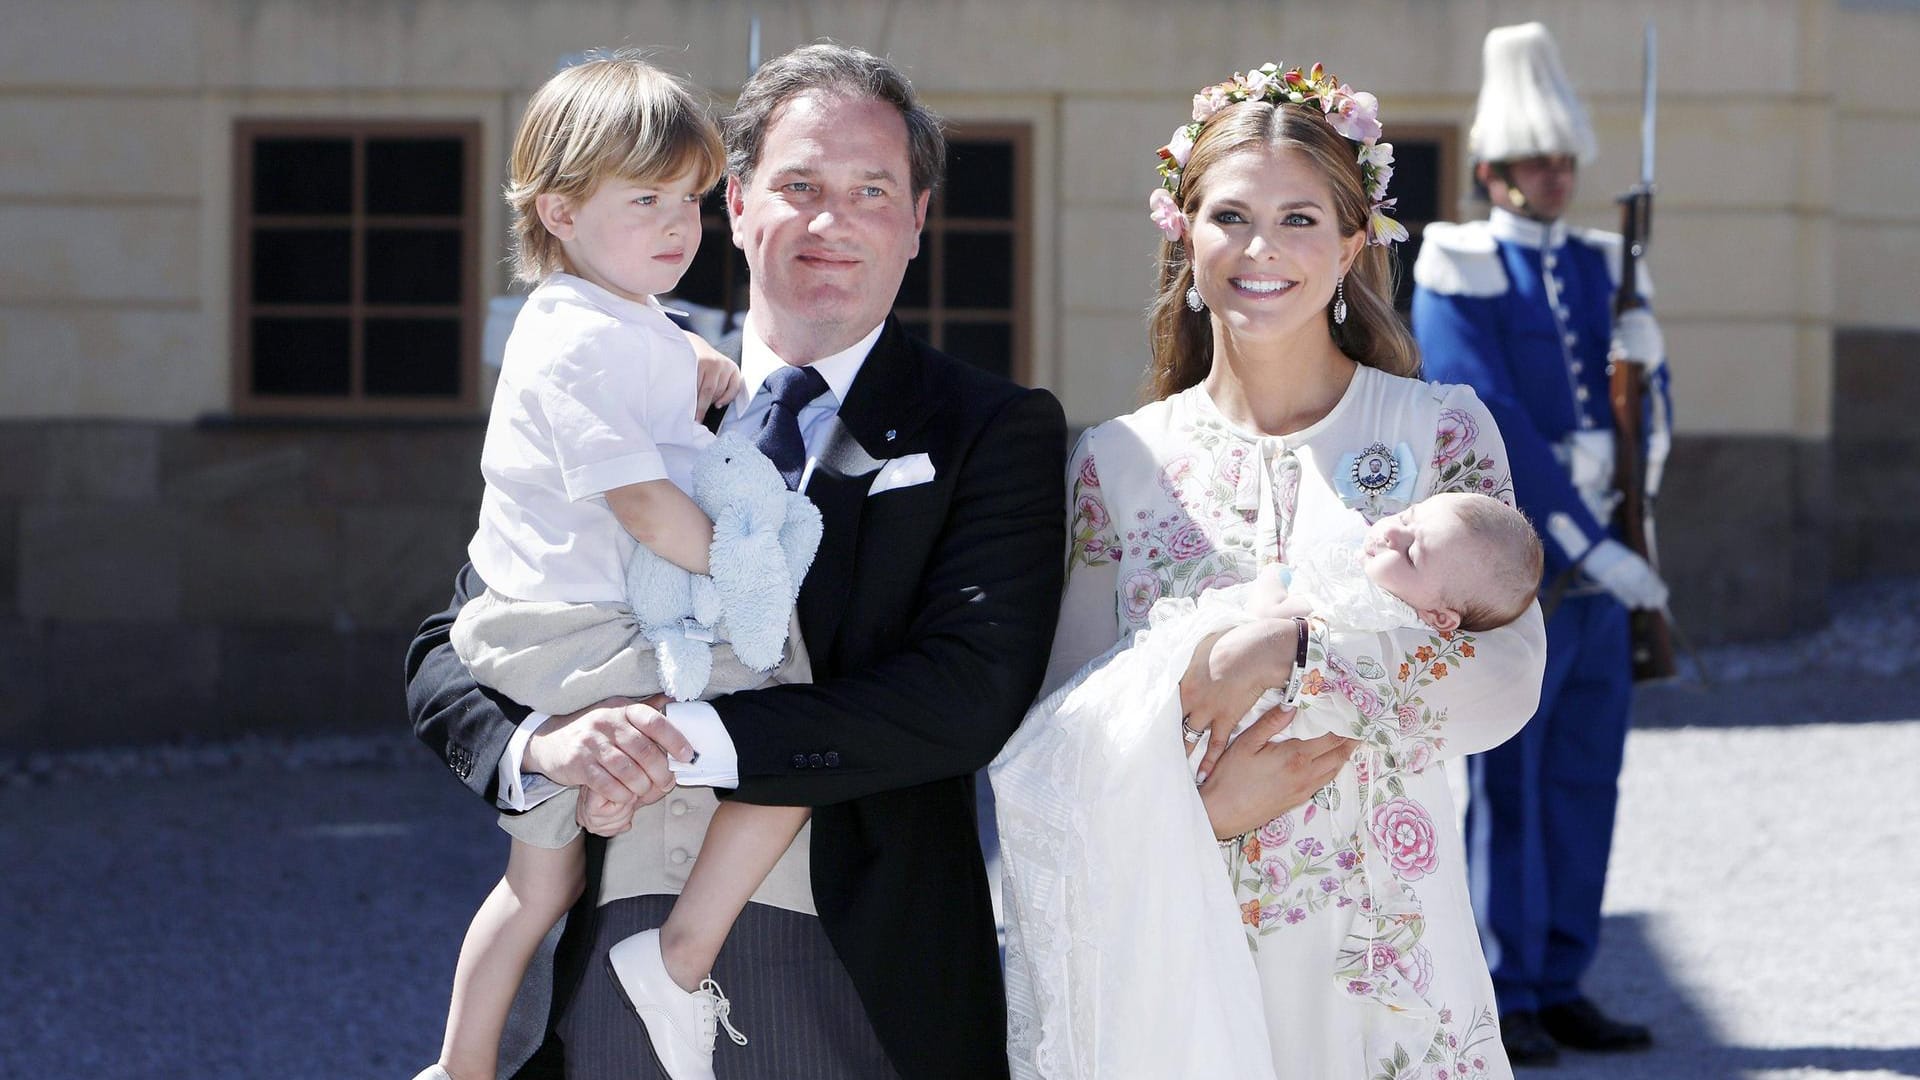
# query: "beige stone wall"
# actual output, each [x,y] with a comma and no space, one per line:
[117,117]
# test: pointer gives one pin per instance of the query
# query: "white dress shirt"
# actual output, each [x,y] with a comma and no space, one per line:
[719,764]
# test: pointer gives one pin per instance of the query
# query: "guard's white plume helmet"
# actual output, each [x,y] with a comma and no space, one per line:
[1527,105]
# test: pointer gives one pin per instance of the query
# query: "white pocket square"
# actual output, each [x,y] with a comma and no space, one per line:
[902,472]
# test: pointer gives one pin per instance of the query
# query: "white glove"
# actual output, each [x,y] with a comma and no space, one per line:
[1626,575]
[1636,336]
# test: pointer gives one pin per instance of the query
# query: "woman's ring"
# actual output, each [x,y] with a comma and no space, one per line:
[1187,731]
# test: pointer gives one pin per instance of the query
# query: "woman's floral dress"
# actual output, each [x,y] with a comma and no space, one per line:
[1354,906]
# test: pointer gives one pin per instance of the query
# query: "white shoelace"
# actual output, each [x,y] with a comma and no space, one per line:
[714,1013]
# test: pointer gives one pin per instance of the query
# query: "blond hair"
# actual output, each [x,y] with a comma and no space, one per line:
[1182,339]
[614,116]
[1510,559]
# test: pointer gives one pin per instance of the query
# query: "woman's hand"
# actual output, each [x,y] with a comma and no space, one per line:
[1228,673]
[1257,781]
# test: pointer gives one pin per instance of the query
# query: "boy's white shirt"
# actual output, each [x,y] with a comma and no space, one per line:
[719,764]
[595,393]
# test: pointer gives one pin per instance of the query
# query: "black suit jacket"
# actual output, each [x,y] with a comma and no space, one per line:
[928,616]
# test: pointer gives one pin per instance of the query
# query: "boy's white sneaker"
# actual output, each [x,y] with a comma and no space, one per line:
[680,1025]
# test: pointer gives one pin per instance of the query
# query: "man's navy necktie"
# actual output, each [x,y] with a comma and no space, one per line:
[779,435]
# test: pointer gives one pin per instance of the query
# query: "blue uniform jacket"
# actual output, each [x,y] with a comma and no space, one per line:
[1522,312]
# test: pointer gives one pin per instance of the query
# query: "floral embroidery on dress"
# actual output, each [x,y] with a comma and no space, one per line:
[1284,880]
[1462,468]
[1453,1054]
[1092,526]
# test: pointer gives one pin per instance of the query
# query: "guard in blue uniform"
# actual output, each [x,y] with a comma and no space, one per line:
[1520,308]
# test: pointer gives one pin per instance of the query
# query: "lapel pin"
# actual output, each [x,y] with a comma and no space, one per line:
[891,433]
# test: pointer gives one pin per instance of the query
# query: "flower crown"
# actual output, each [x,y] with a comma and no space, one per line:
[1354,114]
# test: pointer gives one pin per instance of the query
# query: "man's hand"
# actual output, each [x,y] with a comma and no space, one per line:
[719,378]
[617,750]
[1257,781]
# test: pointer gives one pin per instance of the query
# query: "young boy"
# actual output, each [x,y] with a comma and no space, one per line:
[589,452]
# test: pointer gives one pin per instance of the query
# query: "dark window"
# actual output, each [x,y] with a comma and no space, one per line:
[1425,164]
[355,288]
[966,292]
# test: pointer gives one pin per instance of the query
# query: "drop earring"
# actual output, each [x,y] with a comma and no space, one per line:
[1340,302]
[1194,303]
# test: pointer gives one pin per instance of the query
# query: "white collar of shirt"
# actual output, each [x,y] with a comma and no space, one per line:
[1526,232]
[652,313]
[757,362]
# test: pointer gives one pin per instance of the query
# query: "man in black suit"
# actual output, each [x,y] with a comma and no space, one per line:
[927,616]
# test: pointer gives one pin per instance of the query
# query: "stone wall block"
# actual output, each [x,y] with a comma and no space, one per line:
[262,565]
[200,466]
[24,720]
[376,687]
[440,463]
[9,563]
[399,561]
[1726,536]
[100,563]
[113,684]
[23,460]
[1876,385]
[92,463]
[282,680]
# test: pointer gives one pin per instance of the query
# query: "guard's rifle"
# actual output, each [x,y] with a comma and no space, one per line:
[1652,638]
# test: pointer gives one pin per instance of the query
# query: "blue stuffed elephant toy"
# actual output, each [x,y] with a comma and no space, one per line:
[764,539]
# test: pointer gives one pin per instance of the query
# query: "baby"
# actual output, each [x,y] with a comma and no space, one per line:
[1454,561]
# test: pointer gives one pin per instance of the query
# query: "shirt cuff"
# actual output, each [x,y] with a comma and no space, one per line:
[519,790]
[717,761]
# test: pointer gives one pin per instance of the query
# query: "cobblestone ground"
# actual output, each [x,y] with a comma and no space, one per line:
[293,911]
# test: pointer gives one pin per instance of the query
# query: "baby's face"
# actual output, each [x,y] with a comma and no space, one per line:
[1423,555]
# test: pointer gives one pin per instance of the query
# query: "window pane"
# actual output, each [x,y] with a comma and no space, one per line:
[979,180]
[979,269]
[302,176]
[416,176]
[301,357]
[917,286]
[413,266]
[1416,180]
[984,345]
[413,357]
[301,266]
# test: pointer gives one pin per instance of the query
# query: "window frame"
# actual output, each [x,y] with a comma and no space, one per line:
[1446,200]
[242,307]
[1019,314]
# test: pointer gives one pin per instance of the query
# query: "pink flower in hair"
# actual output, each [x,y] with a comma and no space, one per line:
[1355,115]
[1210,101]
[1166,214]
[1180,147]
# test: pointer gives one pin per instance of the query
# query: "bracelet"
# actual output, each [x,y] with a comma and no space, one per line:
[1290,696]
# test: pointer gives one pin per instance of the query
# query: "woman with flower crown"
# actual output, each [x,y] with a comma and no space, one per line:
[1160,929]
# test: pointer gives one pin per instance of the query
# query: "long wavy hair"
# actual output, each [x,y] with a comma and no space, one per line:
[1373,334]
